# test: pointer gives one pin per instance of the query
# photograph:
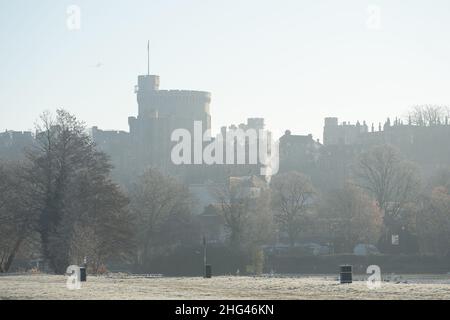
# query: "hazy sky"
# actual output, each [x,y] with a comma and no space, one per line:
[291,62]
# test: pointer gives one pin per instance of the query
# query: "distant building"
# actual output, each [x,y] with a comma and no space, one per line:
[345,133]
[428,146]
[299,153]
[160,112]
[148,142]
[118,146]
[14,143]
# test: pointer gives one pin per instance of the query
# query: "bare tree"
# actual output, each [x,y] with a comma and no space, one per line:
[244,203]
[17,219]
[292,200]
[433,222]
[433,216]
[101,225]
[70,182]
[350,217]
[234,208]
[157,202]
[391,180]
[429,115]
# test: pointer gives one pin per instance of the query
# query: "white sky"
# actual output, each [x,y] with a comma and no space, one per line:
[292,62]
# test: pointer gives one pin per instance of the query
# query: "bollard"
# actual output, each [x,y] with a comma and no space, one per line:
[346,274]
[208,271]
[83,275]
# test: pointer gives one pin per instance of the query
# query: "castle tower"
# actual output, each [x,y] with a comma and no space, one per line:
[330,131]
[160,112]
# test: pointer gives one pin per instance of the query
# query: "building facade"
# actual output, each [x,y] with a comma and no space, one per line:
[148,143]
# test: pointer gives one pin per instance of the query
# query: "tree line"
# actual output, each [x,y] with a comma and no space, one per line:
[383,197]
[61,204]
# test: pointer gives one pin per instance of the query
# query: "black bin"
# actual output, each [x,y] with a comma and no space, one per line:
[208,271]
[346,274]
[82,274]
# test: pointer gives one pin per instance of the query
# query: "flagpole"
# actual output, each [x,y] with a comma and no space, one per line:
[204,254]
[148,57]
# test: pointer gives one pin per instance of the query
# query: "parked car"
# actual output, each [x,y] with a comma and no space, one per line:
[362,249]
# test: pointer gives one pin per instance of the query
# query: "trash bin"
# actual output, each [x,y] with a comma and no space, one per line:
[208,271]
[83,274]
[346,274]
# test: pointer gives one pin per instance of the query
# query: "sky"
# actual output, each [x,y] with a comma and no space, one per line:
[292,62]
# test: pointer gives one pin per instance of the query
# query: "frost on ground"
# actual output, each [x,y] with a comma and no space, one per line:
[120,286]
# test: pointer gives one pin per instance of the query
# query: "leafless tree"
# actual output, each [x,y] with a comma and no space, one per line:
[70,183]
[350,217]
[158,203]
[292,200]
[17,219]
[244,204]
[429,115]
[100,222]
[391,180]
[234,208]
[433,216]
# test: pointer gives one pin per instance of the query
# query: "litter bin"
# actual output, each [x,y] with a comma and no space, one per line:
[83,274]
[346,274]
[208,271]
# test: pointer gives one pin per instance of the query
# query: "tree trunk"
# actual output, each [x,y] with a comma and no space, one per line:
[12,255]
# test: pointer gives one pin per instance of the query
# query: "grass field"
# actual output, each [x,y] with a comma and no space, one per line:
[121,286]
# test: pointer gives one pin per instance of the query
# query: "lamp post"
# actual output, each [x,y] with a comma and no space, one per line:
[206,267]
[83,271]
[204,250]
[204,253]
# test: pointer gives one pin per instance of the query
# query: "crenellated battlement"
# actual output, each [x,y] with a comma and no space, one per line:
[346,133]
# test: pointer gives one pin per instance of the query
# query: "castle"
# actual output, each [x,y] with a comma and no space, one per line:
[148,143]
[428,146]
[14,143]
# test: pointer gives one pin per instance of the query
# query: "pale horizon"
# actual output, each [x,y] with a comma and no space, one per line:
[291,62]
